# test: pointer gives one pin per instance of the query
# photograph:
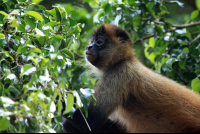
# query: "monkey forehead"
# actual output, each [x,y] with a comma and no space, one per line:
[95,37]
[113,32]
[101,31]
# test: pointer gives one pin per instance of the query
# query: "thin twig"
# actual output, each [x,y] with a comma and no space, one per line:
[2,77]
[195,39]
[19,97]
[85,120]
[151,35]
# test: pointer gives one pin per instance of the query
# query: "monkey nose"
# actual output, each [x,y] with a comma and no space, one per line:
[89,47]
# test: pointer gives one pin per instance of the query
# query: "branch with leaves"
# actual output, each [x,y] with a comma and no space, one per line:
[176,27]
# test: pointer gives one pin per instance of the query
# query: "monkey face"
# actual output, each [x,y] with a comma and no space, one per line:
[109,45]
[95,51]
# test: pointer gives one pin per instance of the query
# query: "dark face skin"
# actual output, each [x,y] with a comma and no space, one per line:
[94,51]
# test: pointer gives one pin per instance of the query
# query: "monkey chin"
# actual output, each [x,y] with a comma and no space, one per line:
[91,58]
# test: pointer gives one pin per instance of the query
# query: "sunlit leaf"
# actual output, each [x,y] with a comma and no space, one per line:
[3,13]
[11,76]
[39,32]
[7,54]
[36,1]
[72,21]
[196,85]
[4,124]
[60,107]
[35,15]
[35,50]
[198,4]
[152,42]
[27,69]
[2,36]
[68,52]
[70,103]
[194,14]
[14,12]
[53,107]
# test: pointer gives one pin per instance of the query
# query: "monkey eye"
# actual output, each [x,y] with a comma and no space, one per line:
[100,41]
[91,41]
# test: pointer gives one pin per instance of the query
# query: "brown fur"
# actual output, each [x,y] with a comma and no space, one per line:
[140,99]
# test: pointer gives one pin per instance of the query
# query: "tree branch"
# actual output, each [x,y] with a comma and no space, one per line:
[176,27]
[195,39]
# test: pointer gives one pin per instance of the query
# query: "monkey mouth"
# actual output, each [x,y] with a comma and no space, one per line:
[90,54]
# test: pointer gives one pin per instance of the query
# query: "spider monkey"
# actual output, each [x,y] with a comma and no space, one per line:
[129,95]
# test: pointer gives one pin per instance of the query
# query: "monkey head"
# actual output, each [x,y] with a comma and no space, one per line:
[109,45]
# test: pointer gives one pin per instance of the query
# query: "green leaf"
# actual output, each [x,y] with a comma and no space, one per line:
[185,50]
[78,99]
[169,62]
[163,8]
[39,32]
[60,107]
[72,22]
[159,30]
[68,52]
[35,50]
[11,76]
[21,28]
[7,54]
[2,36]
[27,69]
[152,42]
[194,14]
[198,4]
[12,129]
[21,49]
[196,85]
[35,15]
[3,13]
[36,1]
[58,15]
[14,12]
[4,124]
[31,22]
[70,103]
[58,36]
[7,101]
[84,77]
[182,64]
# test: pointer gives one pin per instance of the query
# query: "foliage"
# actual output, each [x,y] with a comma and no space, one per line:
[42,68]
[38,63]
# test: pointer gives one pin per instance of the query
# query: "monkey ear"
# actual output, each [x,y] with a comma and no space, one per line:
[123,35]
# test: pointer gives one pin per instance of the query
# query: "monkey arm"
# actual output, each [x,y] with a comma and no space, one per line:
[78,125]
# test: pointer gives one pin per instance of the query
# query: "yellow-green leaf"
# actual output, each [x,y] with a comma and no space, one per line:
[152,42]
[35,15]
[198,4]
[36,1]
[3,13]
[70,103]
[196,85]
[2,36]
[194,14]
[35,50]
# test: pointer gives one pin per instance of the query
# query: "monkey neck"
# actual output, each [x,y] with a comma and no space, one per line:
[118,58]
